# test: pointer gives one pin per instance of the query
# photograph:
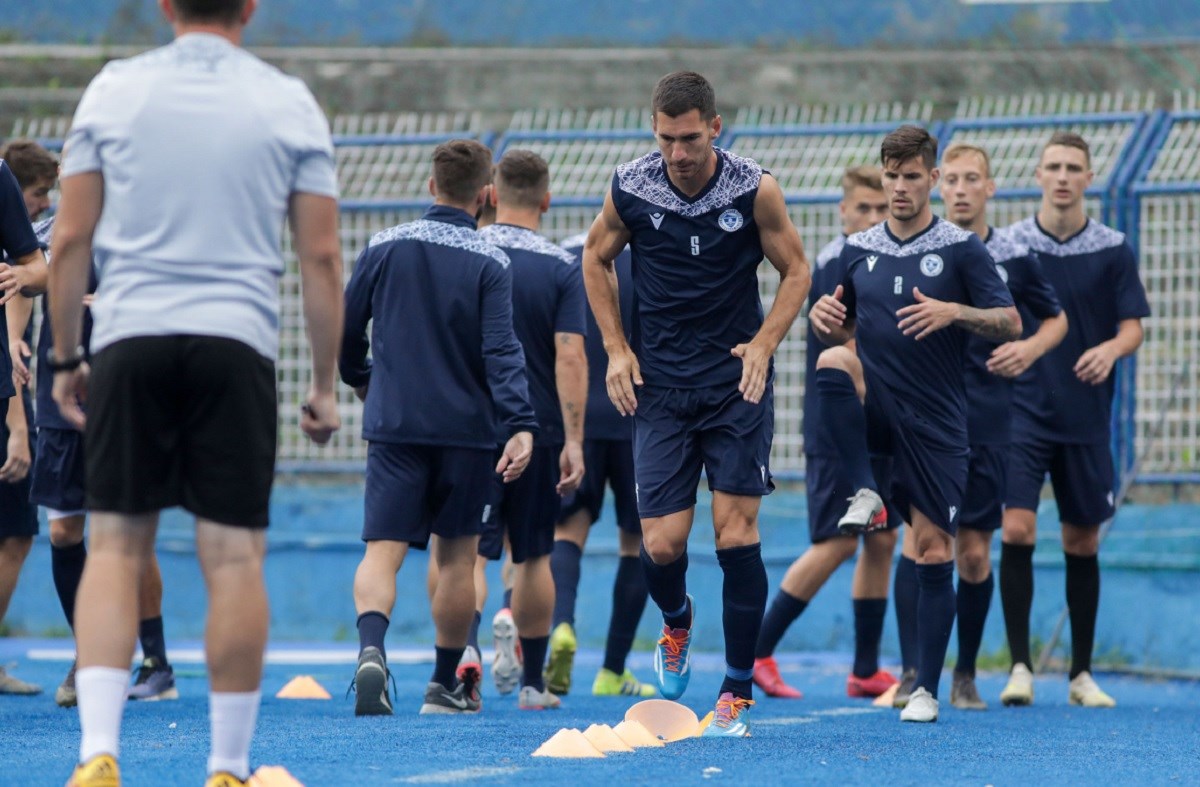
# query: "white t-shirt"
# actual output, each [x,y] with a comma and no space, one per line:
[200,144]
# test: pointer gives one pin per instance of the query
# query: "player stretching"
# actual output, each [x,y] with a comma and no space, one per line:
[698,377]
[181,401]
[608,454]
[1063,410]
[967,186]
[548,316]
[446,375]
[863,206]
[914,286]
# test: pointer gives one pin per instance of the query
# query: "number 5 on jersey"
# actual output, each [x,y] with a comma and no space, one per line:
[695,245]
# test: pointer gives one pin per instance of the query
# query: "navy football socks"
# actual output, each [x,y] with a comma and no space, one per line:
[868,631]
[154,644]
[1016,598]
[66,565]
[906,591]
[629,601]
[564,567]
[372,627]
[1083,600]
[445,666]
[974,601]
[784,610]
[533,651]
[935,611]
[667,585]
[744,594]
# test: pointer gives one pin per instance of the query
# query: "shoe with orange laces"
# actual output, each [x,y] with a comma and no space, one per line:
[767,678]
[729,719]
[873,686]
[673,660]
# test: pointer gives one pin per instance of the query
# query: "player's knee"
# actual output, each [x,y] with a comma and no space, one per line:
[661,548]
[629,544]
[16,548]
[736,530]
[1080,541]
[66,532]
[839,358]
[1020,527]
[842,548]
[974,564]
[934,546]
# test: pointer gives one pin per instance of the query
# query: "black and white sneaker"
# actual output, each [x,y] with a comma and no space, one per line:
[464,698]
[371,684]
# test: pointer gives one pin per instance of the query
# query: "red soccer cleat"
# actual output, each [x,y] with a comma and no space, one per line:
[873,686]
[767,678]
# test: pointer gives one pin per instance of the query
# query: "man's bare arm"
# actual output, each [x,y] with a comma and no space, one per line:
[1095,365]
[571,381]
[783,249]
[606,239]
[927,315]
[1011,359]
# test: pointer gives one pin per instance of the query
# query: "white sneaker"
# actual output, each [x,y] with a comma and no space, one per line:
[506,668]
[532,699]
[866,513]
[922,707]
[1085,692]
[1019,690]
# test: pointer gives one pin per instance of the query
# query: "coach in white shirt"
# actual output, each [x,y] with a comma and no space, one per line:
[180,168]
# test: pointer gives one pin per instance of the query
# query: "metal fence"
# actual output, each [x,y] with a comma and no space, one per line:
[1147,166]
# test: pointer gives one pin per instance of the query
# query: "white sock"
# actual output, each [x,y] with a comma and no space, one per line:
[101,692]
[232,716]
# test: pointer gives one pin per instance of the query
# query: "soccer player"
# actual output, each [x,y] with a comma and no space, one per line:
[446,374]
[608,455]
[180,168]
[966,187]
[548,314]
[697,377]
[863,205]
[914,286]
[1063,409]
[23,270]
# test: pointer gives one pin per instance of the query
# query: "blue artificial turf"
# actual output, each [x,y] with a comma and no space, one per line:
[1151,737]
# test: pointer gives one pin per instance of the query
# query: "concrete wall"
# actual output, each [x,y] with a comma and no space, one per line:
[48,80]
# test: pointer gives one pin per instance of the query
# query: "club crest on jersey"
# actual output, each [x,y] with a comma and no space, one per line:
[1003,272]
[931,265]
[731,220]
[657,219]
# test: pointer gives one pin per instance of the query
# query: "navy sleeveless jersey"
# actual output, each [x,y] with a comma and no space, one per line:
[989,396]
[922,381]
[602,421]
[447,369]
[826,276]
[548,298]
[695,262]
[1095,275]
[47,414]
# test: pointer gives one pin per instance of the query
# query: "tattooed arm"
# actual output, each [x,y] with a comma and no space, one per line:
[571,379]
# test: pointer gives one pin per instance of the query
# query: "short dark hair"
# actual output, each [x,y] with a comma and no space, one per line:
[1071,140]
[461,167]
[29,162]
[227,11]
[909,142]
[682,91]
[522,178]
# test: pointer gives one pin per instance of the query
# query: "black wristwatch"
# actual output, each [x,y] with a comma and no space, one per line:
[67,364]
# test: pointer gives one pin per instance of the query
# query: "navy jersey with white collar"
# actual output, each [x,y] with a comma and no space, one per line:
[923,378]
[826,276]
[695,262]
[989,396]
[548,298]
[1095,275]
[446,367]
[602,421]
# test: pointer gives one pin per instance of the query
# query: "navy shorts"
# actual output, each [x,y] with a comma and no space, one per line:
[609,463]
[987,486]
[678,431]
[18,516]
[526,510]
[929,471]
[58,470]
[415,490]
[1082,475]
[829,492]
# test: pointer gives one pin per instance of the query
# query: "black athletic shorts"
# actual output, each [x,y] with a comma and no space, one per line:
[182,421]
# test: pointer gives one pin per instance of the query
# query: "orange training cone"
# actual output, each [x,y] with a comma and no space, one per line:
[637,736]
[666,720]
[303,687]
[273,776]
[603,738]
[885,700]
[568,743]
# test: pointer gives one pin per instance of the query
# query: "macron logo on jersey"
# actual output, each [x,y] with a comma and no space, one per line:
[953,512]
[871,262]
[657,219]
